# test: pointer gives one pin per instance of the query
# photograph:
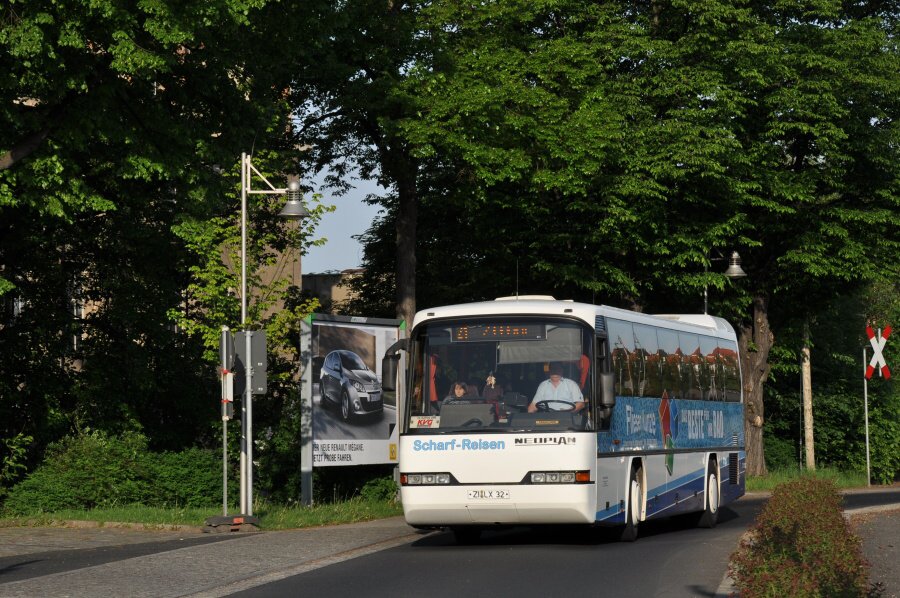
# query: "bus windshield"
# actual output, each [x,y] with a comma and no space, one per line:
[498,374]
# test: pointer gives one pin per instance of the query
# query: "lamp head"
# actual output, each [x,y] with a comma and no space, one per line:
[293,209]
[734,267]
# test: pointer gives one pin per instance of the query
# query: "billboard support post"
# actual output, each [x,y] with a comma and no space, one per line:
[306,407]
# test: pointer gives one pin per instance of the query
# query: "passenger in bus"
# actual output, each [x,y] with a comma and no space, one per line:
[493,390]
[557,391]
[459,391]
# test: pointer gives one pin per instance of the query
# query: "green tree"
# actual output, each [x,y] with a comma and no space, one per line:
[120,132]
[347,87]
[643,137]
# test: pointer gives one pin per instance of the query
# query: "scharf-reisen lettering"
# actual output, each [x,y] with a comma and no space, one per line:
[466,444]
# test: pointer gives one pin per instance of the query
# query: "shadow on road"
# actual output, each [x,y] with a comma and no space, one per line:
[570,535]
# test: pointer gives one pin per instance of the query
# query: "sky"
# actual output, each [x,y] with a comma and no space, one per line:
[352,217]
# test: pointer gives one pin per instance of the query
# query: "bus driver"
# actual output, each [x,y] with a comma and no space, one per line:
[558,393]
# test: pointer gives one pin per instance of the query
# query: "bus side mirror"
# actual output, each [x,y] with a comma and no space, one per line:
[390,363]
[389,372]
[607,390]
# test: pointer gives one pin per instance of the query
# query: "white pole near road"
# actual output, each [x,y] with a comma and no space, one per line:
[245,177]
[866,407]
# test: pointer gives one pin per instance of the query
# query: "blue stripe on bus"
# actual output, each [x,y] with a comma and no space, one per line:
[662,498]
[611,515]
[686,487]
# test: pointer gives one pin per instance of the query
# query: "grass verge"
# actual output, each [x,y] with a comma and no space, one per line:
[841,479]
[271,517]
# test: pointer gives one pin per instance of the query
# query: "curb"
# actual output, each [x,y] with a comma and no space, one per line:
[849,514]
[87,524]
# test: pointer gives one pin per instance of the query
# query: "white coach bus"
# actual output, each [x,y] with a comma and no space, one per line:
[656,431]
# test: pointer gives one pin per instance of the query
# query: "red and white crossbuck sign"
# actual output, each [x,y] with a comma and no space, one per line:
[877,355]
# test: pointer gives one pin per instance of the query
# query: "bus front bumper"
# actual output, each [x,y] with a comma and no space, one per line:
[436,506]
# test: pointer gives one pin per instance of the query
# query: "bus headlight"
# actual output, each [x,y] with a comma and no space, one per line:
[424,479]
[560,477]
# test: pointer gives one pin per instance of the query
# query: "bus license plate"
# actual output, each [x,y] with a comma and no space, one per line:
[487,494]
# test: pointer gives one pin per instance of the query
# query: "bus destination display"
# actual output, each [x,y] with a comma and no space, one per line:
[494,332]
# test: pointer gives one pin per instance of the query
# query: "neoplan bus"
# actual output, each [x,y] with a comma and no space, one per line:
[661,434]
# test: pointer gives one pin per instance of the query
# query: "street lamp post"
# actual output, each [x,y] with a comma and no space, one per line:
[292,210]
[734,271]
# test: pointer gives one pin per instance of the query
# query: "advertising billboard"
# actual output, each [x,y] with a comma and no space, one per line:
[354,421]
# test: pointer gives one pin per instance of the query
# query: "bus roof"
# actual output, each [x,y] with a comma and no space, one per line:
[545,305]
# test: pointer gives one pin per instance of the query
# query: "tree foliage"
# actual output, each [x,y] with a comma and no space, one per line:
[122,125]
[609,152]
[642,139]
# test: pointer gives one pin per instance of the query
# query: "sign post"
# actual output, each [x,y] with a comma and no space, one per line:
[227,522]
[250,375]
[866,412]
[877,341]
[226,361]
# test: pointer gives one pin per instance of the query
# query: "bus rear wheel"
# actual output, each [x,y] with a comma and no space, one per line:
[710,514]
[635,501]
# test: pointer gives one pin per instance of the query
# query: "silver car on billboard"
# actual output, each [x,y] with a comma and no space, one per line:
[346,381]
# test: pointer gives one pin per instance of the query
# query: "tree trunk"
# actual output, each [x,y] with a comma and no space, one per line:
[806,376]
[406,244]
[755,342]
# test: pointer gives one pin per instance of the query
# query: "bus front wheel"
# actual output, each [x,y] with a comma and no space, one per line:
[635,500]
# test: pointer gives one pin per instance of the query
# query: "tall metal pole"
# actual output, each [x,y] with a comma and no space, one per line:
[248,401]
[293,209]
[244,180]
[224,467]
[866,408]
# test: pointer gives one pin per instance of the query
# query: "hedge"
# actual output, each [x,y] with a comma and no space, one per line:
[801,546]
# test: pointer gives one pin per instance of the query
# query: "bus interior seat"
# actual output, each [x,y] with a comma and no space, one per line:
[462,413]
[515,399]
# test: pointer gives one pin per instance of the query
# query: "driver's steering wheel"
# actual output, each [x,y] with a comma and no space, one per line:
[546,405]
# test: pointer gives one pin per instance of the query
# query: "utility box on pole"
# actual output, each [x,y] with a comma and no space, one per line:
[258,360]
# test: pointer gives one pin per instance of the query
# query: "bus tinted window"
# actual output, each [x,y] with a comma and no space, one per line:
[647,354]
[691,360]
[708,350]
[670,362]
[621,340]
[731,370]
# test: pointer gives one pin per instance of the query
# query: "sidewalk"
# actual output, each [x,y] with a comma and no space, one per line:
[215,568]
[879,530]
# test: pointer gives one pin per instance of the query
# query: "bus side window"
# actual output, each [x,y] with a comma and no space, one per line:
[601,364]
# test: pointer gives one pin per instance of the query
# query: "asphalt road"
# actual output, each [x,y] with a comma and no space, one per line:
[669,559]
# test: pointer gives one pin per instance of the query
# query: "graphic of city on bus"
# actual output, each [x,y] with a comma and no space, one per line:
[667,423]
[668,415]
